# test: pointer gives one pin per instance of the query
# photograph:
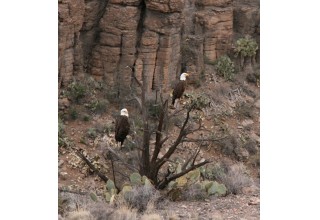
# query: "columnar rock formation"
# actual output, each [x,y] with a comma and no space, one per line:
[120,41]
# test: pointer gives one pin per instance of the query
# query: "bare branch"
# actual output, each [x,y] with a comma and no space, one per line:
[182,134]
[167,180]
[159,142]
[92,167]
[193,156]
[72,191]
[163,140]
[113,173]
[200,140]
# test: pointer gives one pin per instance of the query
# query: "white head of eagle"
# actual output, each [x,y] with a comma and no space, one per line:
[124,112]
[183,76]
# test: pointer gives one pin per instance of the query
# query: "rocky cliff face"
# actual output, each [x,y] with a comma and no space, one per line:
[119,41]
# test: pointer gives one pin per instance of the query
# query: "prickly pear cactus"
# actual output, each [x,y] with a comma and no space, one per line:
[181,181]
[172,184]
[146,181]
[217,189]
[179,167]
[111,191]
[93,196]
[202,170]
[107,196]
[110,185]
[207,184]
[135,179]
[193,176]
[126,189]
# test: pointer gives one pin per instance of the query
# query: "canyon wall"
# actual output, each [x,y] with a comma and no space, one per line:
[120,41]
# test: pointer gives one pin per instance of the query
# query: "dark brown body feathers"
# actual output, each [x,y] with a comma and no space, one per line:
[178,90]
[122,128]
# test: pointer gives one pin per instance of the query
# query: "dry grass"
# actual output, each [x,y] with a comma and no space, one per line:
[151,217]
[80,215]
[72,203]
[124,213]
[170,215]
[236,178]
[140,198]
[194,192]
[244,110]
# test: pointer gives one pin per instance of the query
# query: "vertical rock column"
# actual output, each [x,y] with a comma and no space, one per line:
[216,20]
[116,48]
[159,52]
[71,16]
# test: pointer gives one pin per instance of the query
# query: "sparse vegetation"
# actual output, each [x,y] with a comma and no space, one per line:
[234,177]
[73,113]
[76,91]
[98,106]
[124,213]
[200,101]
[80,215]
[225,67]
[154,109]
[112,95]
[140,197]
[151,217]
[244,110]
[246,47]
[62,139]
[194,192]
[92,133]
[60,128]
[86,118]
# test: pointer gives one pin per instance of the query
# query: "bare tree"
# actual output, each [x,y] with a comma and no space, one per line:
[151,163]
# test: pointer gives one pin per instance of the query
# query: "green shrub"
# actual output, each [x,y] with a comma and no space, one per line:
[92,133]
[200,101]
[234,177]
[246,47]
[73,114]
[86,118]
[224,67]
[98,107]
[76,91]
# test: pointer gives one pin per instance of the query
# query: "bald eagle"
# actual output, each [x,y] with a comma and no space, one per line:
[122,126]
[179,88]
